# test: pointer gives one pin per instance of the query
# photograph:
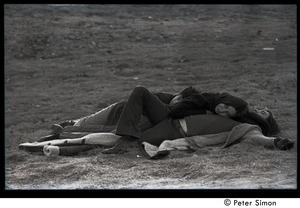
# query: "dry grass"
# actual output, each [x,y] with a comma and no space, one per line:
[67,62]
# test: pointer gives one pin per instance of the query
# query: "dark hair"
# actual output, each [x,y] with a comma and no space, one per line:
[209,101]
[268,126]
[273,126]
[240,105]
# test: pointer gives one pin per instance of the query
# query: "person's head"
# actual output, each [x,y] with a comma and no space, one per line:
[267,115]
[225,110]
[264,119]
[229,105]
[175,99]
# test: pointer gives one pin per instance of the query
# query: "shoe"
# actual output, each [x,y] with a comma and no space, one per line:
[50,151]
[56,129]
[121,146]
[48,137]
[190,150]
[67,123]
[283,144]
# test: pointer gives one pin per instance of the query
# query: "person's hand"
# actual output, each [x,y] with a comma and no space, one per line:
[283,144]
[175,100]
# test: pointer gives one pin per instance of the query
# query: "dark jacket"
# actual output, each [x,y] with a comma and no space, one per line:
[190,105]
[194,102]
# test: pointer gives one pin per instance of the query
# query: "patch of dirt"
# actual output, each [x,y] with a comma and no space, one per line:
[65,62]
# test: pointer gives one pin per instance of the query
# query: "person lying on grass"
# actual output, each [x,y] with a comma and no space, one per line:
[227,135]
[171,128]
[187,102]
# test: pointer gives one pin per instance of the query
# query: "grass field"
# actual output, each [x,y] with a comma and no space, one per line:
[65,62]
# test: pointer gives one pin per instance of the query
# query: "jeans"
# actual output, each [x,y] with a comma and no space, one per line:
[142,101]
[98,118]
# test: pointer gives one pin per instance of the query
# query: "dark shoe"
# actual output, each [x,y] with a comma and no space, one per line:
[190,150]
[56,129]
[283,144]
[67,123]
[121,146]
[48,137]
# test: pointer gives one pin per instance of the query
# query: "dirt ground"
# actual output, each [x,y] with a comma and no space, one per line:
[68,61]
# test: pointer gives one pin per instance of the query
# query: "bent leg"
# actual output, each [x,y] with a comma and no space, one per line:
[141,101]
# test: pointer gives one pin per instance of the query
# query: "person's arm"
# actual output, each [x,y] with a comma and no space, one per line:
[255,136]
[181,110]
[191,105]
[165,97]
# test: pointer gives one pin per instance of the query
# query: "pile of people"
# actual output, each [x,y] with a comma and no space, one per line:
[160,122]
